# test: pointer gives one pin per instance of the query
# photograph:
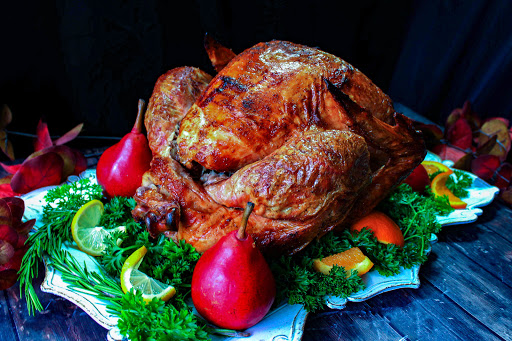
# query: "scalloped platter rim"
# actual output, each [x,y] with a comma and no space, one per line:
[285,323]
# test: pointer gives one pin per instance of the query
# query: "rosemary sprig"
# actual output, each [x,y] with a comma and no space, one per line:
[81,279]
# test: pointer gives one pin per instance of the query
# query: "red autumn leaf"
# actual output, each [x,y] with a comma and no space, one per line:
[6,145]
[467,112]
[503,176]
[6,191]
[22,238]
[81,162]
[448,153]
[43,137]
[43,170]
[9,234]
[17,207]
[15,262]
[68,156]
[11,169]
[460,134]
[464,162]
[506,195]
[6,251]
[484,166]
[453,117]
[5,116]
[6,179]
[24,228]
[5,213]
[70,135]
[499,129]
[487,147]
[502,119]
[8,278]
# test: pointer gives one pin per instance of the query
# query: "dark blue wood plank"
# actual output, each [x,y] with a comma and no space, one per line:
[483,246]
[60,320]
[357,321]
[472,287]
[498,218]
[7,328]
[428,314]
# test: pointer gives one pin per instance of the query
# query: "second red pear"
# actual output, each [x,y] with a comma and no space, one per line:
[120,167]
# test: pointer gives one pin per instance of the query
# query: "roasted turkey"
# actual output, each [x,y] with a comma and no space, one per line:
[302,134]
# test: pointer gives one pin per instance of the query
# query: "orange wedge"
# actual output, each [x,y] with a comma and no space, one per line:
[352,259]
[438,186]
[383,227]
[433,167]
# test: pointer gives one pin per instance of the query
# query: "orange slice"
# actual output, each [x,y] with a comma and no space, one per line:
[433,167]
[439,188]
[352,259]
[383,227]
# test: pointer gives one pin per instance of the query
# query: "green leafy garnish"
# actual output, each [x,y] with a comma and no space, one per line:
[458,183]
[157,320]
[62,204]
[298,283]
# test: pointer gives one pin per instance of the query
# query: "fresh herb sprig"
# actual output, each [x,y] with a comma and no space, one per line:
[137,319]
[458,183]
[298,283]
[62,204]
[157,321]
[416,214]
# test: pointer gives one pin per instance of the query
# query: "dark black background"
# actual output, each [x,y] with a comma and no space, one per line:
[70,61]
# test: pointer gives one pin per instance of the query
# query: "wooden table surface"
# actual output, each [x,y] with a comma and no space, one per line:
[465,294]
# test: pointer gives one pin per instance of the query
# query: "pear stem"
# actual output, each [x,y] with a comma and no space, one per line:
[137,127]
[241,231]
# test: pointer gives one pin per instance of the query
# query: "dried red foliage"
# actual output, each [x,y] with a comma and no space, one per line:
[479,147]
[50,164]
[13,234]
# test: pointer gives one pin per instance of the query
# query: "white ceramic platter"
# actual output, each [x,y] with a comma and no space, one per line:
[287,321]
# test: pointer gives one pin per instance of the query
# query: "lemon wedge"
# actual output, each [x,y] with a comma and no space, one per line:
[150,288]
[85,230]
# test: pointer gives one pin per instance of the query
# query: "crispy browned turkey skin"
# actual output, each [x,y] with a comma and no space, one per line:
[306,137]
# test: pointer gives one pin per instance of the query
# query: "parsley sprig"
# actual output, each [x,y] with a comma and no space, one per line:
[458,183]
[416,215]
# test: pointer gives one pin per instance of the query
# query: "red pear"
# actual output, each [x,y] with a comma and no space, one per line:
[120,167]
[232,285]
[418,179]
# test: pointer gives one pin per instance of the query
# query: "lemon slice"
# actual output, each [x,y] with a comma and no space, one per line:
[131,277]
[85,230]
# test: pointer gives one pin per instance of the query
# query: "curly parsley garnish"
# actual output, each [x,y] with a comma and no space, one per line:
[416,215]
[458,183]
